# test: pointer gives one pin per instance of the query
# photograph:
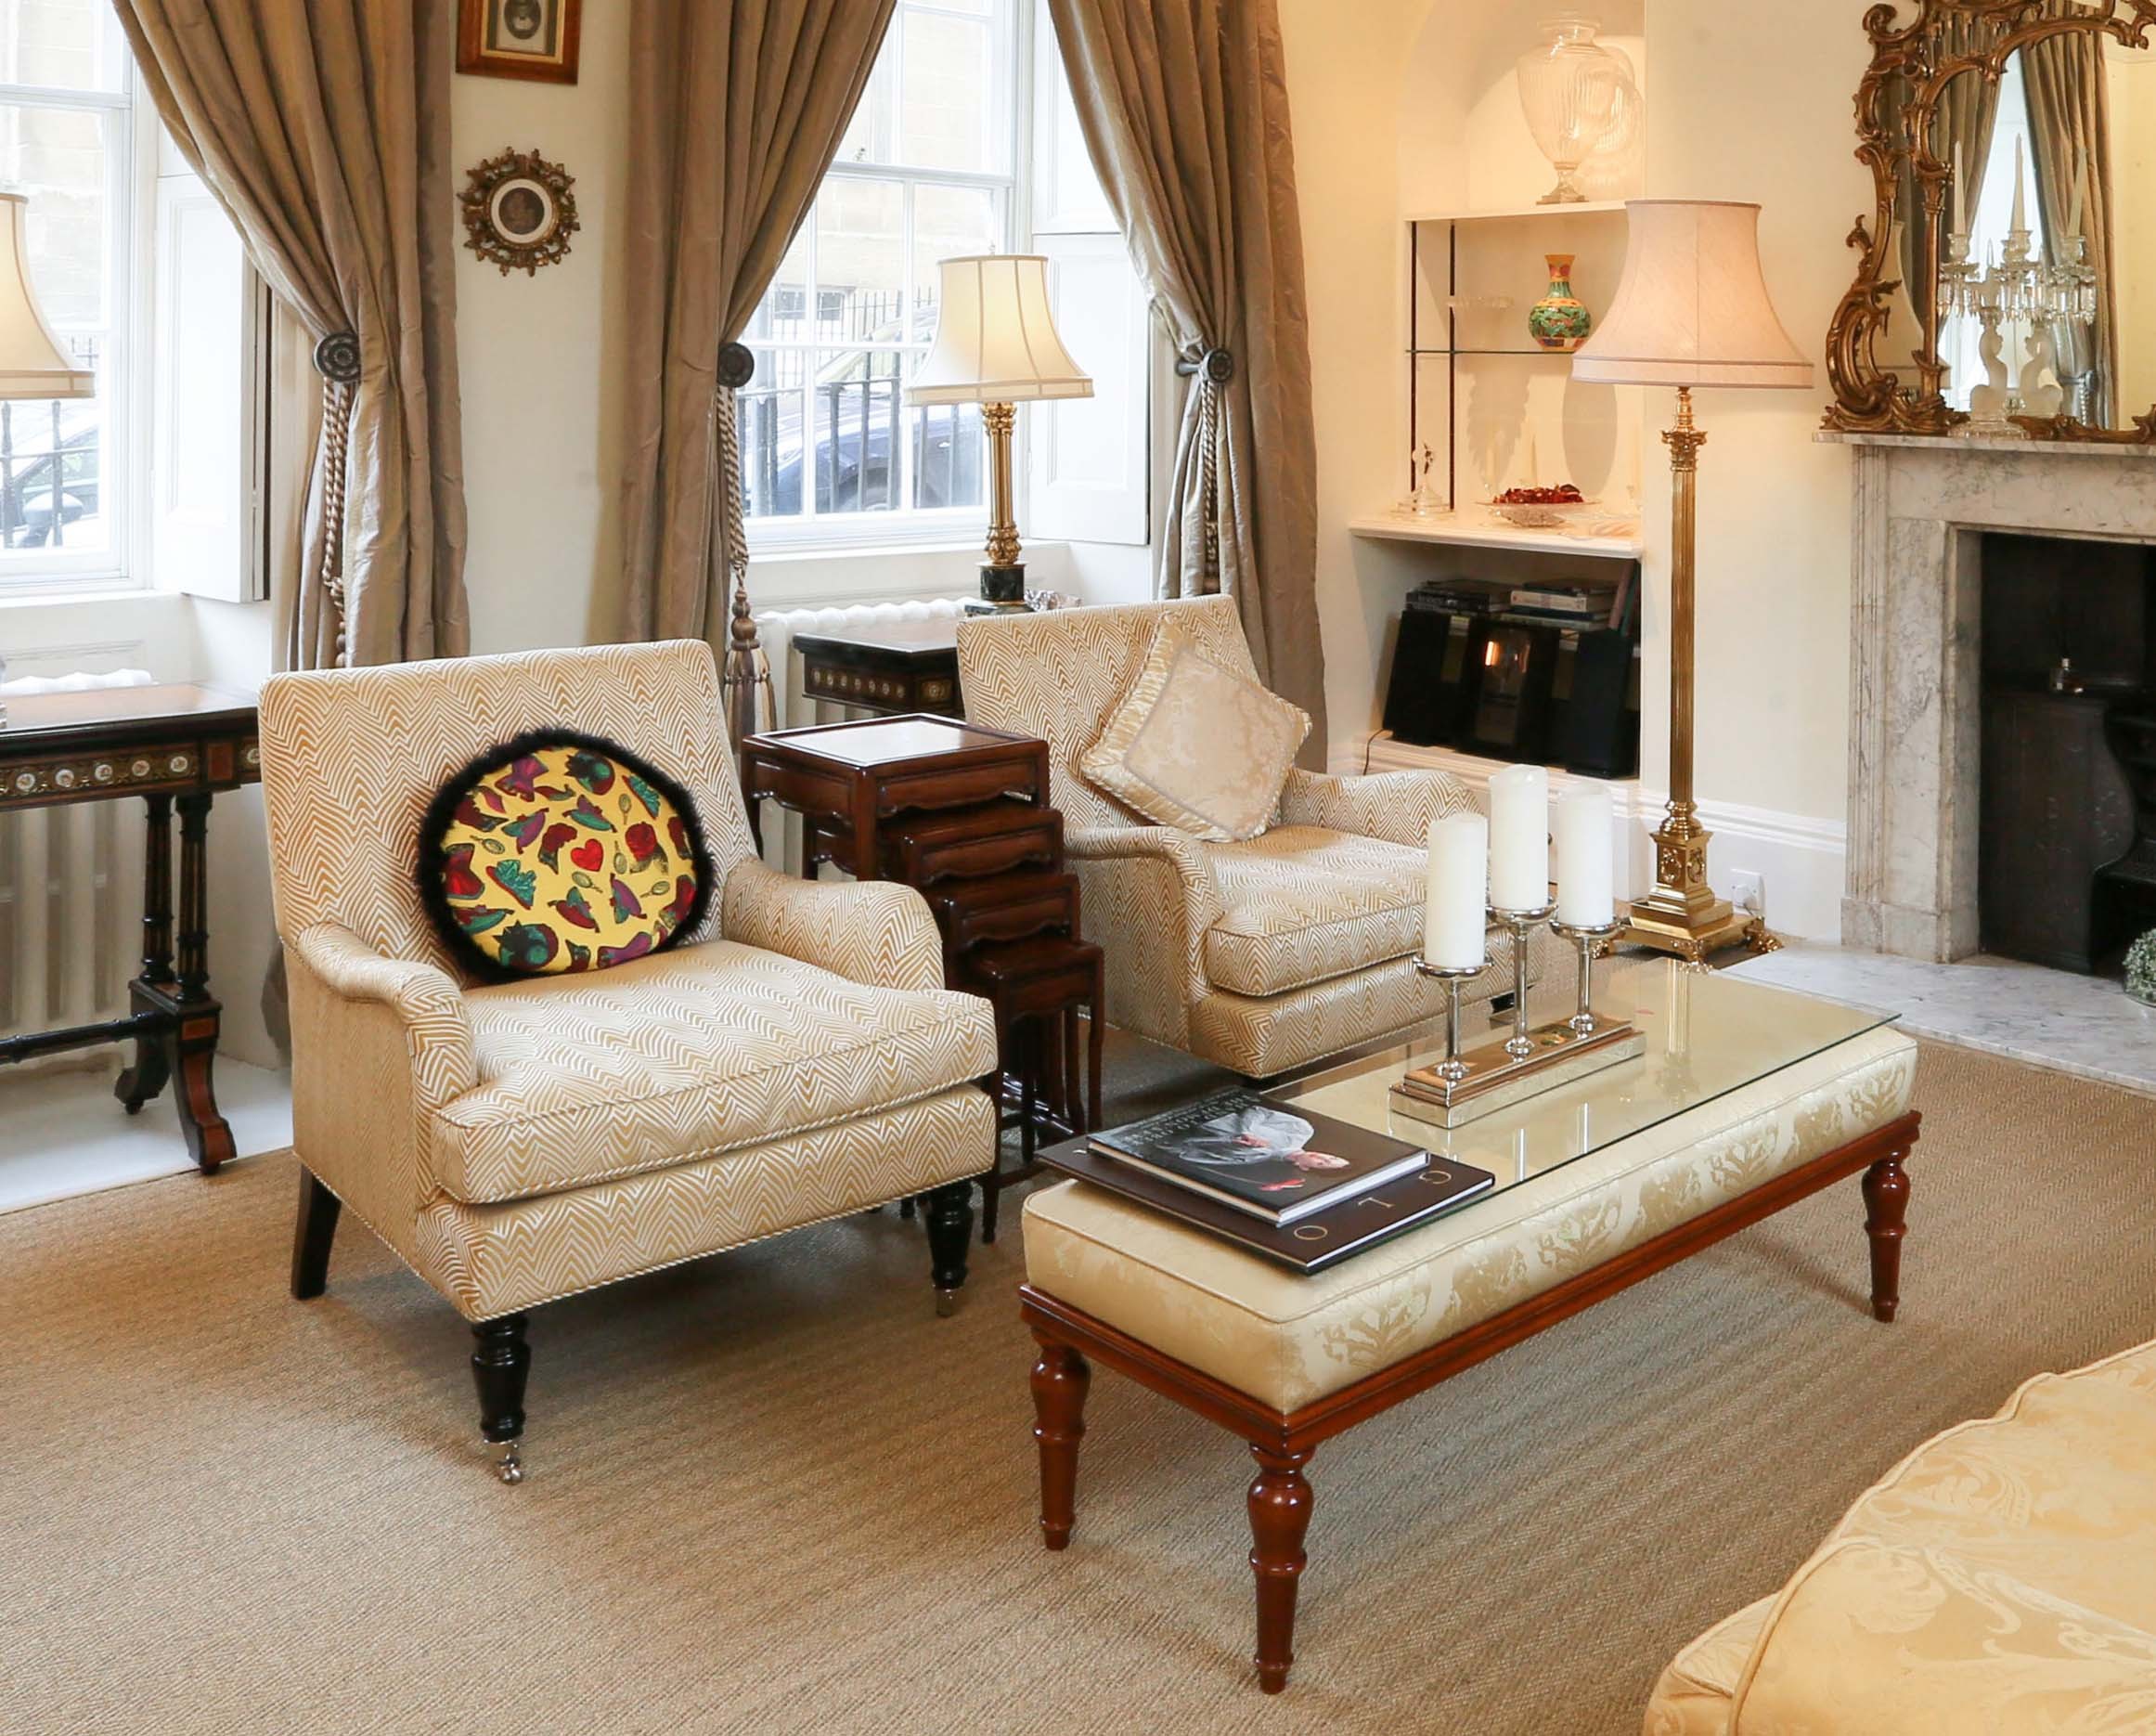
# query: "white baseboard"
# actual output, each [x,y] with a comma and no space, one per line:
[1801,861]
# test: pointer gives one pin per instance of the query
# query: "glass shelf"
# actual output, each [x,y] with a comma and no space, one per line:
[1464,350]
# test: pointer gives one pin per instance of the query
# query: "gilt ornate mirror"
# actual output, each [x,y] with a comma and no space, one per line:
[2011,255]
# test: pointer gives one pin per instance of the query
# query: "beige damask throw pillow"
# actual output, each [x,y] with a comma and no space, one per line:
[1196,746]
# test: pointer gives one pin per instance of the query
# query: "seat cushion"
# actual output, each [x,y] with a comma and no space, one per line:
[1999,1578]
[1304,904]
[1287,1341]
[668,1059]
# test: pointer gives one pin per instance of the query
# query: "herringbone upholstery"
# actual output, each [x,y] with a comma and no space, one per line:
[1260,955]
[795,1059]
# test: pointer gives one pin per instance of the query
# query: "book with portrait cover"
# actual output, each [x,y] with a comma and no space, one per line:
[1261,1157]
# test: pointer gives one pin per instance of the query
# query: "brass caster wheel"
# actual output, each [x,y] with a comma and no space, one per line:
[946,1304]
[512,1467]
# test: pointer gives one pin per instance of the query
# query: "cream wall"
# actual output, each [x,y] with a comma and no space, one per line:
[1385,97]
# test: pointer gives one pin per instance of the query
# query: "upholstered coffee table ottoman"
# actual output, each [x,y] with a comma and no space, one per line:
[1747,1099]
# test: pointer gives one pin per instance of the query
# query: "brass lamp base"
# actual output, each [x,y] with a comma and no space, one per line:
[1682,915]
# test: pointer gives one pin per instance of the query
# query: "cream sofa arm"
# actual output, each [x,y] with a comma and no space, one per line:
[1395,806]
[869,931]
[379,1045]
[1155,888]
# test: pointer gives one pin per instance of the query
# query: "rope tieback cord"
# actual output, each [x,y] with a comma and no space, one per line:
[337,360]
[1214,367]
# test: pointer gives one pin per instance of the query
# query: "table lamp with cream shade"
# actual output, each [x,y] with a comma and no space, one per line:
[996,345]
[35,364]
[1691,309]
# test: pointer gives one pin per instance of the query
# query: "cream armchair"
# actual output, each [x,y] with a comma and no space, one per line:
[795,1059]
[1262,955]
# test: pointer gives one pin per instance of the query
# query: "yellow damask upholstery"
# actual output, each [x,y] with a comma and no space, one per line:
[795,1059]
[1288,1339]
[1260,955]
[2000,1579]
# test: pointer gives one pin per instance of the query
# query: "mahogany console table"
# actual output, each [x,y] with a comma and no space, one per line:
[174,746]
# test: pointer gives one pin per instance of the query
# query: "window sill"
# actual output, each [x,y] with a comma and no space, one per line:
[63,593]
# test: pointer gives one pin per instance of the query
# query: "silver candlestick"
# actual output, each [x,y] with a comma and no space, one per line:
[1452,1069]
[1589,941]
[1522,923]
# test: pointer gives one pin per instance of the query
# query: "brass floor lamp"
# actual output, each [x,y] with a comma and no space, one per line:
[1691,310]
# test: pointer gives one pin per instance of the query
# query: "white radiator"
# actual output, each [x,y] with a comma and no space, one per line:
[778,630]
[70,905]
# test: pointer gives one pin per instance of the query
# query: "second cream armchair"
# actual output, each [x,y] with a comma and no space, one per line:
[1261,955]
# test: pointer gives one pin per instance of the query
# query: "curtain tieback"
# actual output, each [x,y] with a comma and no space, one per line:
[745,689]
[1214,367]
[337,360]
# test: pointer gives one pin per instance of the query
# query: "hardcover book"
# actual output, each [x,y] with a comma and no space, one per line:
[1311,1244]
[1276,1162]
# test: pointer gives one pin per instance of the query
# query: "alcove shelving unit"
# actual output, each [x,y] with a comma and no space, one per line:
[1472,276]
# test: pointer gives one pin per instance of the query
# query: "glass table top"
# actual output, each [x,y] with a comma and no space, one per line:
[1706,1033]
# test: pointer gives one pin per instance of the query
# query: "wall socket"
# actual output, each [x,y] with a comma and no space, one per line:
[1748,892]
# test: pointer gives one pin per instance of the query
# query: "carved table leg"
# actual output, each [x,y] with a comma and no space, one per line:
[1886,1198]
[194,1041]
[1060,1380]
[949,1212]
[500,1365]
[140,1084]
[1280,1514]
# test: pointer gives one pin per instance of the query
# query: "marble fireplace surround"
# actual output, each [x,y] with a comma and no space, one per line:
[1920,509]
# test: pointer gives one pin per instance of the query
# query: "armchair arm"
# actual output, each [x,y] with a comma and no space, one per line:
[1395,806]
[1152,893]
[379,1045]
[870,930]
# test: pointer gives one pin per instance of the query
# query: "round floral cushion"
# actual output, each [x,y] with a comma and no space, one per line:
[560,852]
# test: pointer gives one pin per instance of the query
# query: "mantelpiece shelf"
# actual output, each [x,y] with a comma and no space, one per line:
[1467,533]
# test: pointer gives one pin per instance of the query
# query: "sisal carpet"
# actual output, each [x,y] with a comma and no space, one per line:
[771,1492]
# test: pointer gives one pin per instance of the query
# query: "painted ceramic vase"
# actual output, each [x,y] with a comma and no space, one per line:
[1560,320]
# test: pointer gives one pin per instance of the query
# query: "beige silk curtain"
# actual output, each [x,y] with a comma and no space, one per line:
[1967,111]
[738,109]
[1183,104]
[322,127]
[2070,123]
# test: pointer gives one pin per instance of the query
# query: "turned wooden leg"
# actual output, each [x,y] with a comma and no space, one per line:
[1060,1380]
[949,1212]
[311,1234]
[1886,1200]
[1280,1513]
[501,1363]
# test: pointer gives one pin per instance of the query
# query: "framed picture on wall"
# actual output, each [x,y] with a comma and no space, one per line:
[519,38]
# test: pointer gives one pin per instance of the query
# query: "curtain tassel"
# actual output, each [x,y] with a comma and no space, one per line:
[1214,368]
[744,682]
[337,360]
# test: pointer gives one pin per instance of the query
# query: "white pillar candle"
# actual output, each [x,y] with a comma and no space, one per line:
[1586,871]
[1455,925]
[2020,219]
[1519,838]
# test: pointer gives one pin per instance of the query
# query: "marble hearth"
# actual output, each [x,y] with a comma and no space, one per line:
[1921,508]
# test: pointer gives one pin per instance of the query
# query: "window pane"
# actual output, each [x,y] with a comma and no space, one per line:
[53,491]
[860,424]
[948,455]
[57,157]
[782,316]
[871,135]
[860,260]
[947,222]
[948,112]
[74,44]
[770,411]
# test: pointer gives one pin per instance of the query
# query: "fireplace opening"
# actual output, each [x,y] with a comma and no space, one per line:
[2066,870]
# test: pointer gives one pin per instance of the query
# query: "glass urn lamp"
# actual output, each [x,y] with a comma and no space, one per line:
[1580,99]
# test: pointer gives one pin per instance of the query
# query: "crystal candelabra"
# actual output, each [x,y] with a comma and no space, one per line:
[2018,292]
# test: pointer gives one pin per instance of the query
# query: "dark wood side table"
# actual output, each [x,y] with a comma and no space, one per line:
[904,668]
[174,746]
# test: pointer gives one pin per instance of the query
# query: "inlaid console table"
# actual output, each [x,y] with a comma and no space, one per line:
[175,747]
[895,670]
